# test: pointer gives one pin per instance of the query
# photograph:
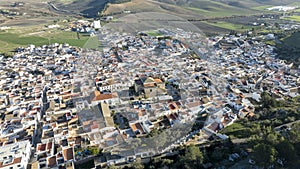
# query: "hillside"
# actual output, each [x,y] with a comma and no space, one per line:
[88,8]
[204,8]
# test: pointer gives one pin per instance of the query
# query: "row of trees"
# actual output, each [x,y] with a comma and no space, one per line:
[191,158]
[269,147]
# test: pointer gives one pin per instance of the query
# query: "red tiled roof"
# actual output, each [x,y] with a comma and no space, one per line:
[51,161]
[15,161]
[99,96]
[68,154]
[41,147]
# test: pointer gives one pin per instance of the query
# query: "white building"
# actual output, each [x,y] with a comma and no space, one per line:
[96,24]
[15,156]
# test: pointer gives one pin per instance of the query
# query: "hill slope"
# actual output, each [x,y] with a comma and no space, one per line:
[183,8]
[206,8]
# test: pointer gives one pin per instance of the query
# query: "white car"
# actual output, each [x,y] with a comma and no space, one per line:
[251,161]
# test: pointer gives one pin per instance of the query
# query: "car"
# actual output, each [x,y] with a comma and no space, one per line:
[251,161]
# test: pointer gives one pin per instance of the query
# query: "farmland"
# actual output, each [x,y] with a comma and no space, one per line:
[30,27]
[293,18]
[11,39]
[229,26]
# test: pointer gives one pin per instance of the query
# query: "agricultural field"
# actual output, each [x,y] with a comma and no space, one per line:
[295,18]
[11,39]
[197,8]
[229,26]
[145,21]
[92,43]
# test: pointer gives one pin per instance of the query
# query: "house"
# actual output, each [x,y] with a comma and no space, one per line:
[16,155]
[150,87]
[68,153]
[111,98]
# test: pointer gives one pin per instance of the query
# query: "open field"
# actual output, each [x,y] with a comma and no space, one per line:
[154,33]
[92,43]
[217,9]
[137,6]
[293,18]
[229,26]
[18,37]
[30,14]
[197,8]
[146,21]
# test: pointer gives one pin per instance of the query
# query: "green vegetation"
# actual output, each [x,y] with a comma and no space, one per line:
[94,150]
[12,39]
[268,145]
[217,12]
[192,158]
[237,130]
[292,18]
[264,154]
[92,43]
[289,47]
[91,150]
[217,9]
[262,8]
[154,33]
[229,26]
[292,40]
[87,165]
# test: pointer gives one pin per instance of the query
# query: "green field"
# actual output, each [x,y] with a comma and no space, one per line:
[154,33]
[293,18]
[11,39]
[92,43]
[262,8]
[229,26]
[220,11]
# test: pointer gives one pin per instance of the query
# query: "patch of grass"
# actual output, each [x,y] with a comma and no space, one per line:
[154,33]
[292,18]
[270,42]
[229,26]
[92,43]
[216,12]
[294,4]
[217,9]
[262,8]
[237,130]
[11,39]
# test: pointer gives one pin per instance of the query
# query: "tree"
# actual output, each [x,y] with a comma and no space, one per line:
[264,154]
[286,152]
[112,167]
[194,154]
[193,158]
[294,135]
[137,164]
[266,100]
[167,162]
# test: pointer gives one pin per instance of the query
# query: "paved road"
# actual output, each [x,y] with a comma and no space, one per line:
[287,124]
